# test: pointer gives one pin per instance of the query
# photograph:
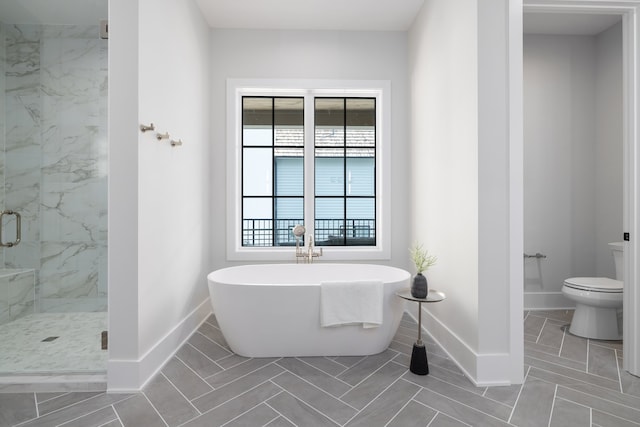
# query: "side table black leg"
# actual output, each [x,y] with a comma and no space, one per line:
[419,364]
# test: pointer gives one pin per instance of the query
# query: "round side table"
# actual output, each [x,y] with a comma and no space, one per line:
[419,364]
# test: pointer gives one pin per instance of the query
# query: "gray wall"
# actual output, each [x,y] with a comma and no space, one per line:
[336,55]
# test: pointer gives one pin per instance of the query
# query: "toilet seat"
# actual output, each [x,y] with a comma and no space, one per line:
[595,284]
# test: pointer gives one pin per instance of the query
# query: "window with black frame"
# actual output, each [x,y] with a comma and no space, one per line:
[343,171]
[272,169]
[345,150]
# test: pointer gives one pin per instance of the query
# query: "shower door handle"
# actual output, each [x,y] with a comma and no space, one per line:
[18,229]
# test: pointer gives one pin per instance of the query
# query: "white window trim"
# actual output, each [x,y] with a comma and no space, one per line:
[381,90]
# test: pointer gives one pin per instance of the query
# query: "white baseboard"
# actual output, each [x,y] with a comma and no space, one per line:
[126,376]
[481,369]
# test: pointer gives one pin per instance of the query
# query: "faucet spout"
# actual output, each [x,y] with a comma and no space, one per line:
[308,254]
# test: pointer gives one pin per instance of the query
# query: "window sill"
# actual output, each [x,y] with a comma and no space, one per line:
[329,253]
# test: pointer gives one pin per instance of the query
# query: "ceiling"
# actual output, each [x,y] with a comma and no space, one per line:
[567,23]
[363,15]
[359,15]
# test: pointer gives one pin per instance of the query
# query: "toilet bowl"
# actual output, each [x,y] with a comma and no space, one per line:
[597,300]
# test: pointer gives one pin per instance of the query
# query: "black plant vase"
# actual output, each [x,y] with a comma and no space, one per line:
[419,287]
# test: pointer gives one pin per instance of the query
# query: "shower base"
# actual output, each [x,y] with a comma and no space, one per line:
[53,344]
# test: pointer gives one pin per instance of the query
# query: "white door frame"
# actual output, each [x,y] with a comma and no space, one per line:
[630,12]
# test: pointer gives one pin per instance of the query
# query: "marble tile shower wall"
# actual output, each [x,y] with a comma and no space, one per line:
[55,160]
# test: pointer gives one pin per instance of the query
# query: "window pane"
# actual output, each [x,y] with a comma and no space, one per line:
[361,208]
[360,176]
[257,170]
[289,176]
[257,121]
[257,224]
[329,176]
[289,121]
[329,122]
[289,212]
[361,224]
[361,122]
[329,222]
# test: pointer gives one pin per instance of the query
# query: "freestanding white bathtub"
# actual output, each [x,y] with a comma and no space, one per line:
[273,310]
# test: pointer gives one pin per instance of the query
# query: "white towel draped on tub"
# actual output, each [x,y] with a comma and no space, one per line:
[348,303]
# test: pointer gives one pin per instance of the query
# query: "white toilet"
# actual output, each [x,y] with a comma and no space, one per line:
[597,302]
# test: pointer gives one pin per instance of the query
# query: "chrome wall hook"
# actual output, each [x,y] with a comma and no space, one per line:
[144,128]
[162,136]
[176,143]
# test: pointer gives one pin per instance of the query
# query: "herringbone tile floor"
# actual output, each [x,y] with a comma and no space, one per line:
[569,381]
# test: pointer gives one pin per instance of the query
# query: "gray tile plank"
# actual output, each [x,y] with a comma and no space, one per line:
[504,394]
[16,408]
[384,407]
[574,348]
[257,416]
[236,388]
[571,373]
[137,411]
[212,350]
[606,395]
[603,419]
[63,401]
[298,412]
[325,365]
[75,411]
[622,411]
[469,398]
[401,347]
[318,378]
[569,414]
[530,338]
[231,361]
[213,321]
[318,399]
[95,419]
[414,414]
[457,410]
[173,407]
[552,334]
[443,420]
[280,422]
[237,371]
[198,362]
[533,353]
[555,351]
[560,315]
[602,361]
[453,378]
[214,334]
[533,325]
[534,404]
[235,407]
[365,367]
[43,397]
[187,381]
[368,389]
[347,361]
[630,383]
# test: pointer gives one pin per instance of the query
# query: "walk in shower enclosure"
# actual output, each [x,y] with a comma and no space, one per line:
[53,170]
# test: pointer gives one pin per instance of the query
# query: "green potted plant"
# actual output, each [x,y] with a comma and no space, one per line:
[422,261]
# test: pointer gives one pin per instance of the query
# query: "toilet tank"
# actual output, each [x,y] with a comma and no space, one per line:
[617,249]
